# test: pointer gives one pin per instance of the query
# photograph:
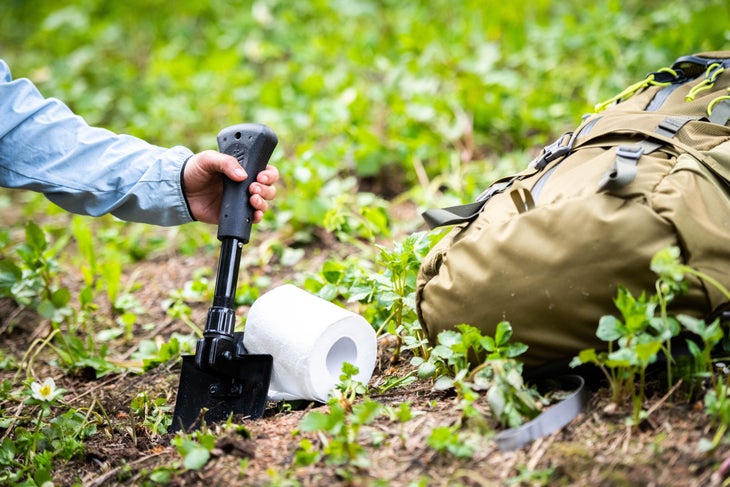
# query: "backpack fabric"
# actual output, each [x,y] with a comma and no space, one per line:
[547,248]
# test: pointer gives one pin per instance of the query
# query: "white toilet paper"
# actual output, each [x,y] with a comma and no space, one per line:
[309,338]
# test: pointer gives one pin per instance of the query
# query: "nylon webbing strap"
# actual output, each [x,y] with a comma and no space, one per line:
[553,419]
[721,112]
[453,215]
[671,125]
[624,167]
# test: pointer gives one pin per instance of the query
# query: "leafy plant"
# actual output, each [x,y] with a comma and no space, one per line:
[195,447]
[638,345]
[386,293]
[449,439]
[32,281]
[340,426]
[645,329]
[152,353]
[153,414]
[48,431]
[498,372]
[357,216]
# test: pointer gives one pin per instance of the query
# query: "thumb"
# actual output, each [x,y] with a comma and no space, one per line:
[230,166]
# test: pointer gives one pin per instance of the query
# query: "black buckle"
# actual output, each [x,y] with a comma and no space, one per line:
[556,150]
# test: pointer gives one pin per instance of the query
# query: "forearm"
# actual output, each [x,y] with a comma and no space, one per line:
[45,147]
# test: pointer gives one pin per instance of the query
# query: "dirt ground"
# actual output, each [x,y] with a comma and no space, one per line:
[596,449]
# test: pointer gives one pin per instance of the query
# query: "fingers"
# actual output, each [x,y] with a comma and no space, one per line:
[259,203]
[264,184]
[269,175]
[258,215]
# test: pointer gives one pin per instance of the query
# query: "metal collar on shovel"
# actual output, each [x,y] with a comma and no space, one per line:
[222,378]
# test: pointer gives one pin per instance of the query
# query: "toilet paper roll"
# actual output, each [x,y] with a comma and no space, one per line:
[309,338]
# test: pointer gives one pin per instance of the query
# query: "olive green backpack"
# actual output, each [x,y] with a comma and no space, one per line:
[547,248]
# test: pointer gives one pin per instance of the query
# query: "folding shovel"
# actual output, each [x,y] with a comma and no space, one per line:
[222,378]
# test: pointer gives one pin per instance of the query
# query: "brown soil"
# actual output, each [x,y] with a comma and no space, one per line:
[596,449]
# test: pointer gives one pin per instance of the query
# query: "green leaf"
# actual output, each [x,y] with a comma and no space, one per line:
[666,263]
[46,309]
[623,357]
[449,338]
[61,297]
[647,352]
[516,349]
[366,412]
[161,475]
[196,457]
[503,333]
[35,237]
[610,329]
[426,370]
[315,421]
[10,274]
[443,383]
[694,349]
[404,413]
[587,356]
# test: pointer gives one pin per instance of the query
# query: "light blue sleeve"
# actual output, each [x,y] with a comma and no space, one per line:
[45,147]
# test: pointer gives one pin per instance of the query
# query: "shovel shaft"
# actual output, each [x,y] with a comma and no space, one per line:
[217,345]
[226,281]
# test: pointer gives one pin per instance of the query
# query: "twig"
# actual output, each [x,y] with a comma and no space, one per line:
[102,479]
[541,448]
[9,319]
[15,418]
[629,430]
[666,396]
[473,476]
[98,386]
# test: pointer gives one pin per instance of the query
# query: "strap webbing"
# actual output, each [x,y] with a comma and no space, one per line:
[523,200]
[624,167]
[660,97]
[721,112]
[553,419]
[453,215]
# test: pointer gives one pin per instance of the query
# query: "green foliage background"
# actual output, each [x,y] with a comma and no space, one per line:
[378,89]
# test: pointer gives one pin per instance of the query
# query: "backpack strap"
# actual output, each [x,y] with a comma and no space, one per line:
[719,110]
[455,215]
[661,137]
[624,168]
[553,419]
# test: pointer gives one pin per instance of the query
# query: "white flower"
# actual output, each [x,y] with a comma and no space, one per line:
[46,390]
[262,14]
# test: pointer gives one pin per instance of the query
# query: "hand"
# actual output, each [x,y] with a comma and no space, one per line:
[204,187]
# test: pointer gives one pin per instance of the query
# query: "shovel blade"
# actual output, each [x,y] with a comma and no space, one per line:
[243,392]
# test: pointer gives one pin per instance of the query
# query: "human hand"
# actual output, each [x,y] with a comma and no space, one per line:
[204,186]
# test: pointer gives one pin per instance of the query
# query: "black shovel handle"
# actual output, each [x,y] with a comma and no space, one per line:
[252,144]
